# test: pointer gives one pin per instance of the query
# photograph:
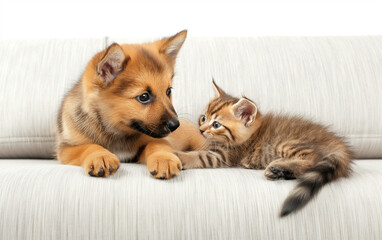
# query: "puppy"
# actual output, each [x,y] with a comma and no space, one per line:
[121,111]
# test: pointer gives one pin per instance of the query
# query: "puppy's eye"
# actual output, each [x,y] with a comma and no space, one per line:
[168,92]
[203,118]
[216,124]
[144,98]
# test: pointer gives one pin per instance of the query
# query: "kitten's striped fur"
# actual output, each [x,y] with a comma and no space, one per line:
[286,147]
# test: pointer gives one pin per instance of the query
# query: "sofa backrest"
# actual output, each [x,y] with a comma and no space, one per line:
[34,76]
[336,81]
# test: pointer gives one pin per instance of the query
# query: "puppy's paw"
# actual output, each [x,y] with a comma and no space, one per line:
[101,164]
[163,165]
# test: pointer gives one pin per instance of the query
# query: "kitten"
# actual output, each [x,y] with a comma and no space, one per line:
[286,147]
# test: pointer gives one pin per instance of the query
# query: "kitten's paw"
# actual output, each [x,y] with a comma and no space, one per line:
[188,160]
[163,165]
[101,164]
[277,173]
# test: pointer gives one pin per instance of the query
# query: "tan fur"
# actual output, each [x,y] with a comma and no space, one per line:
[269,140]
[101,116]
[286,147]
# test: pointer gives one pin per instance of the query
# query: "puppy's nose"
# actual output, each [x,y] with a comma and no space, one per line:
[173,124]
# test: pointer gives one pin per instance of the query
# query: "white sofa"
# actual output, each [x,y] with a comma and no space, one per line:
[333,80]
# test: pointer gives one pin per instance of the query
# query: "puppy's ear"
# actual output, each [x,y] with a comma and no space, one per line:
[219,92]
[245,110]
[170,46]
[111,64]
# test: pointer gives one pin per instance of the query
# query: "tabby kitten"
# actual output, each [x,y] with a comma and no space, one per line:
[286,147]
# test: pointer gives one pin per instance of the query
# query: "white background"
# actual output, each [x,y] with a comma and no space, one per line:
[84,19]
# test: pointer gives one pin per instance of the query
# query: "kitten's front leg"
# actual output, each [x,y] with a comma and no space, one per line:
[201,159]
[190,159]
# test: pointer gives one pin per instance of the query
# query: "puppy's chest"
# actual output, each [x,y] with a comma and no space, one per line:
[126,149]
[125,153]
[126,156]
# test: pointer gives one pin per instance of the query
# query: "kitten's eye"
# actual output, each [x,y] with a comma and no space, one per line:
[168,92]
[203,118]
[144,98]
[216,124]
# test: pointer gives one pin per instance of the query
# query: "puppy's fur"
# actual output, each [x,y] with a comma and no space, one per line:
[121,110]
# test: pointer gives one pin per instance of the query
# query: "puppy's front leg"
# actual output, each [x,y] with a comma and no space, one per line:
[96,160]
[161,162]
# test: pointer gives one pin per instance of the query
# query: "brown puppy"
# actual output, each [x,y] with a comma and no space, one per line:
[121,110]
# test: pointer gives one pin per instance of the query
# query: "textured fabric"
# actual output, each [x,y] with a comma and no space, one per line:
[34,76]
[336,81]
[46,200]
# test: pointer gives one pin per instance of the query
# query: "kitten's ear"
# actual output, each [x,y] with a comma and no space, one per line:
[219,92]
[245,110]
[112,63]
[170,46]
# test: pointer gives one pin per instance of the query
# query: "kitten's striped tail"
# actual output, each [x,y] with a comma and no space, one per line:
[313,180]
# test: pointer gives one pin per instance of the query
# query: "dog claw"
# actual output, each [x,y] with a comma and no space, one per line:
[101,172]
[91,173]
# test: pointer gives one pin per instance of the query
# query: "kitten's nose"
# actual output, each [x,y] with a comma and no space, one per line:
[201,131]
[173,124]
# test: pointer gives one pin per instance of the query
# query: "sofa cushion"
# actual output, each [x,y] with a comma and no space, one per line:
[34,76]
[47,200]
